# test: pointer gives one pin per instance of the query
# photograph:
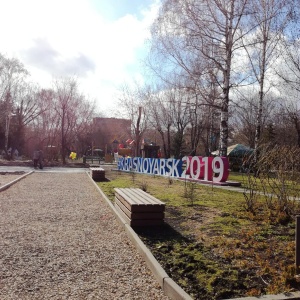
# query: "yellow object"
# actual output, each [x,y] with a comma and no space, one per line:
[73,155]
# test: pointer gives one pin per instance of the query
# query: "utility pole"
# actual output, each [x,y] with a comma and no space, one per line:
[7,119]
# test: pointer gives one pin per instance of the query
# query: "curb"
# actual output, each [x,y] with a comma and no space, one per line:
[6,186]
[170,288]
[284,296]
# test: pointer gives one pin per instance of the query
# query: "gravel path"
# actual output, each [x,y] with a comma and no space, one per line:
[9,177]
[59,240]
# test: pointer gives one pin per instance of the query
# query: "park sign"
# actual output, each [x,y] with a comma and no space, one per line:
[206,169]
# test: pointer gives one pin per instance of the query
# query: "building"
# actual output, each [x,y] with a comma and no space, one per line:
[109,133]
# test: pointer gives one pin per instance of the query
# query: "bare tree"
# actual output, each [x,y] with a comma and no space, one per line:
[12,73]
[244,110]
[27,107]
[160,119]
[134,104]
[188,32]
[269,18]
[70,107]
[180,110]
[290,111]
[170,111]
[288,70]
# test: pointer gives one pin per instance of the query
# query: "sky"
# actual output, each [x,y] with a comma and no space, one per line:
[102,43]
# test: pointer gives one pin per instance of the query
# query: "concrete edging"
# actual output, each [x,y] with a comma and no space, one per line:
[6,186]
[170,288]
[284,296]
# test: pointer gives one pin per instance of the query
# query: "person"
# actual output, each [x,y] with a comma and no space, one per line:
[36,156]
[16,154]
[41,158]
[159,153]
[38,159]
[9,152]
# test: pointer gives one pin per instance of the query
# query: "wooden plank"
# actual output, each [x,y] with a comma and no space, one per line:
[130,196]
[137,200]
[123,215]
[148,196]
[139,207]
[123,201]
[96,169]
[138,223]
[140,215]
[143,197]
[124,195]
[123,207]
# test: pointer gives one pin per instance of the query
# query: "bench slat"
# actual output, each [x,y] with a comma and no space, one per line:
[136,201]
[130,197]
[138,208]
[150,197]
[139,215]
[137,196]
[138,222]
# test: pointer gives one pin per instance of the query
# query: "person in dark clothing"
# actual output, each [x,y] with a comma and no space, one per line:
[38,159]
[41,158]
[36,155]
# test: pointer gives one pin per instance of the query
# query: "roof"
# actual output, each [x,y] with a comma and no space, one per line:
[236,150]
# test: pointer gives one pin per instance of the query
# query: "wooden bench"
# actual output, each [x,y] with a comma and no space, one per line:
[98,174]
[92,159]
[138,208]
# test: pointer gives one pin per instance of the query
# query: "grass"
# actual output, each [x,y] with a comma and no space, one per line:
[210,245]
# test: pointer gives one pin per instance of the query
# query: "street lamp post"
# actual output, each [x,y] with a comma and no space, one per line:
[7,123]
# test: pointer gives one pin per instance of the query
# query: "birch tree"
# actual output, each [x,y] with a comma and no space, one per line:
[208,30]
[288,69]
[12,74]
[269,19]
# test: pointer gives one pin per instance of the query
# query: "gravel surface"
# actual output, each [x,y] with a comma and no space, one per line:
[9,177]
[59,240]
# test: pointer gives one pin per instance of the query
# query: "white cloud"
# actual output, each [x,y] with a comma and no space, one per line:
[69,37]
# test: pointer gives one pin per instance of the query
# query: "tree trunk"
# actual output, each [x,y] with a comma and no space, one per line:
[169,141]
[260,101]
[137,132]
[226,84]
[63,139]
